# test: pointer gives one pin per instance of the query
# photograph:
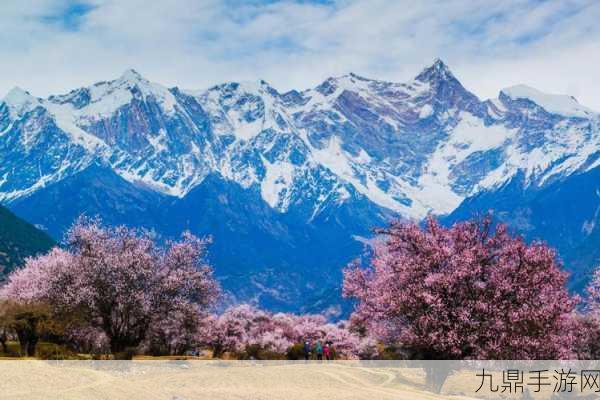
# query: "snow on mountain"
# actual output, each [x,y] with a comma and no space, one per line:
[105,98]
[553,103]
[274,176]
[416,147]
[19,102]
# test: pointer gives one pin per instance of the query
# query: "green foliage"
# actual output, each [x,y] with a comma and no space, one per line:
[19,240]
[52,351]
[12,349]
[391,353]
[295,352]
[44,351]
[27,321]
[126,354]
[256,352]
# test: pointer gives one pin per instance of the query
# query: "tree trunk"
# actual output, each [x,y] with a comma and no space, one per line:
[122,349]
[31,344]
[28,339]
[22,342]
[435,376]
[3,339]
[116,346]
[23,348]
[218,351]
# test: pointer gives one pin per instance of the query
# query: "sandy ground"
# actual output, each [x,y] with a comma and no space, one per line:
[210,380]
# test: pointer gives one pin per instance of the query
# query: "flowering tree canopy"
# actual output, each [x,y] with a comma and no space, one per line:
[588,322]
[592,304]
[242,326]
[468,291]
[118,281]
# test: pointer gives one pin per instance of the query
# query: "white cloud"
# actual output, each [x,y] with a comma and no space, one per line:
[554,46]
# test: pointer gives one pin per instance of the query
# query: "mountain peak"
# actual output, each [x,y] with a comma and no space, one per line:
[132,76]
[438,71]
[438,63]
[20,101]
[17,95]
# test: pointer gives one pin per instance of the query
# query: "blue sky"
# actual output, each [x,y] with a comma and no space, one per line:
[52,46]
[69,16]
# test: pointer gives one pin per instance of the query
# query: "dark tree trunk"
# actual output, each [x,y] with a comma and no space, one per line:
[31,345]
[435,376]
[28,339]
[123,341]
[23,340]
[123,348]
[3,339]
[116,346]
[218,351]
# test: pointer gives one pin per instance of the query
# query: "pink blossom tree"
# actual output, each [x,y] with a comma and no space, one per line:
[118,281]
[229,331]
[588,346]
[174,334]
[465,292]
[87,339]
[243,326]
[592,302]
[347,343]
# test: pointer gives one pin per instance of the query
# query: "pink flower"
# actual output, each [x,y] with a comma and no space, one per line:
[464,292]
[119,281]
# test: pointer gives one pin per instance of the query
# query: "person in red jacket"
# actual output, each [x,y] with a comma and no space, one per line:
[327,351]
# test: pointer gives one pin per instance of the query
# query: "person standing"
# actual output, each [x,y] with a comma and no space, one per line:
[331,350]
[306,350]
[319,350]
[327,351]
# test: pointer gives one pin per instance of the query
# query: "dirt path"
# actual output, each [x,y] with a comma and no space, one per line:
[198,380]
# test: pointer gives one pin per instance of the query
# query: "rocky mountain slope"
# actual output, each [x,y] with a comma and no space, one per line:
[289,184]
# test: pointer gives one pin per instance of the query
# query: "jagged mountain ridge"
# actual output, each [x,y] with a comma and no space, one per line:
[278,260]
[289,184]
[414,148]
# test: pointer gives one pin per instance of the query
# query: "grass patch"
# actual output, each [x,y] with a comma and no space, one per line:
[44,351]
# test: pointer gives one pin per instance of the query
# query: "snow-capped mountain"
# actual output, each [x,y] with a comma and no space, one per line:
[411,147]
[351,143]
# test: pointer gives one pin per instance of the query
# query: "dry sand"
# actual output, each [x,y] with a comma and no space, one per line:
[209,380]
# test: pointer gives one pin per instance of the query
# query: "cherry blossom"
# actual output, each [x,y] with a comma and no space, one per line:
[465,292]
[118,281]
